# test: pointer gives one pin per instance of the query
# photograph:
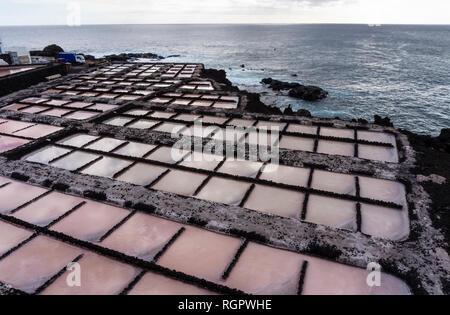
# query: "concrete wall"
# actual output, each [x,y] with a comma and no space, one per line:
[26,79]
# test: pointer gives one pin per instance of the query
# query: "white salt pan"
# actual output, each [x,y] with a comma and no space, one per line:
[78,140]
[311,130]
[11,236]
[383,222]
[336,148]
[167,127]
[377,137]
[202,161]
[200,253]
[282,202]
[296,143]
[75,160]
[47,209]
[16,194]
[46,154]
[337,132]
[334,182]
[91,221]
[35,263]
[180,182]
[225,191]
[142,236]
[239,167]
[331,212]
[106,167]
[154,284]
[118,121]
[288,175]
[263,270]
[327,278]
[100,276]
[134,149]
[143,124]
[168,155]
[384,190]
[142,174]
[105,144]
[378,153]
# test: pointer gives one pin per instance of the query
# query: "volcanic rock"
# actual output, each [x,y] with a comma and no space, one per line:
[296,90]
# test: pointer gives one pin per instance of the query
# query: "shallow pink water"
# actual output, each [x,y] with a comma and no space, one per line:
[142,236]
[332,212]
[180,182]
[288,175]
[334,182]
[282,202]
[336,148]
[328,278]
[75,160]
[48,208]
[107,167]
[296,143]
[38,131]
[99,276]
[312,130]
[167,155]
[36,262]
[202,161]
[221,190]
[78,140]
[337,132]
[11,236]
[263,270]
[12,126]
[142,174]
[17,194]
[378,153]
[46,154]
[240,167]
[91,221]
[10,143]
[154,284]
[201,253]
[134,149]
[105,144]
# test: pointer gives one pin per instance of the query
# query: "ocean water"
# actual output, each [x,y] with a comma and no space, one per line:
[398,71]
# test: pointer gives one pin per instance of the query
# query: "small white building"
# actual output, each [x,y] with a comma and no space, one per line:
[14,57]
[42,59]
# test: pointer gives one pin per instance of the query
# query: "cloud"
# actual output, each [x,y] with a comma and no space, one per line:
[182,5]
[199,7]
[227,11]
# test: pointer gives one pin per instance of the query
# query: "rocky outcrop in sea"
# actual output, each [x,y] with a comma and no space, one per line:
[297,90]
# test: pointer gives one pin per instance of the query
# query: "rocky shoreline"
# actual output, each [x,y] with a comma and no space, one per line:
[132,56]
[296,90]
[433,171]
[432,159]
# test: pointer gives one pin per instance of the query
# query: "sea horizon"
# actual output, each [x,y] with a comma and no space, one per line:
[299,23]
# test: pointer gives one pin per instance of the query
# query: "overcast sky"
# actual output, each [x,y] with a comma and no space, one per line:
[59,12]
